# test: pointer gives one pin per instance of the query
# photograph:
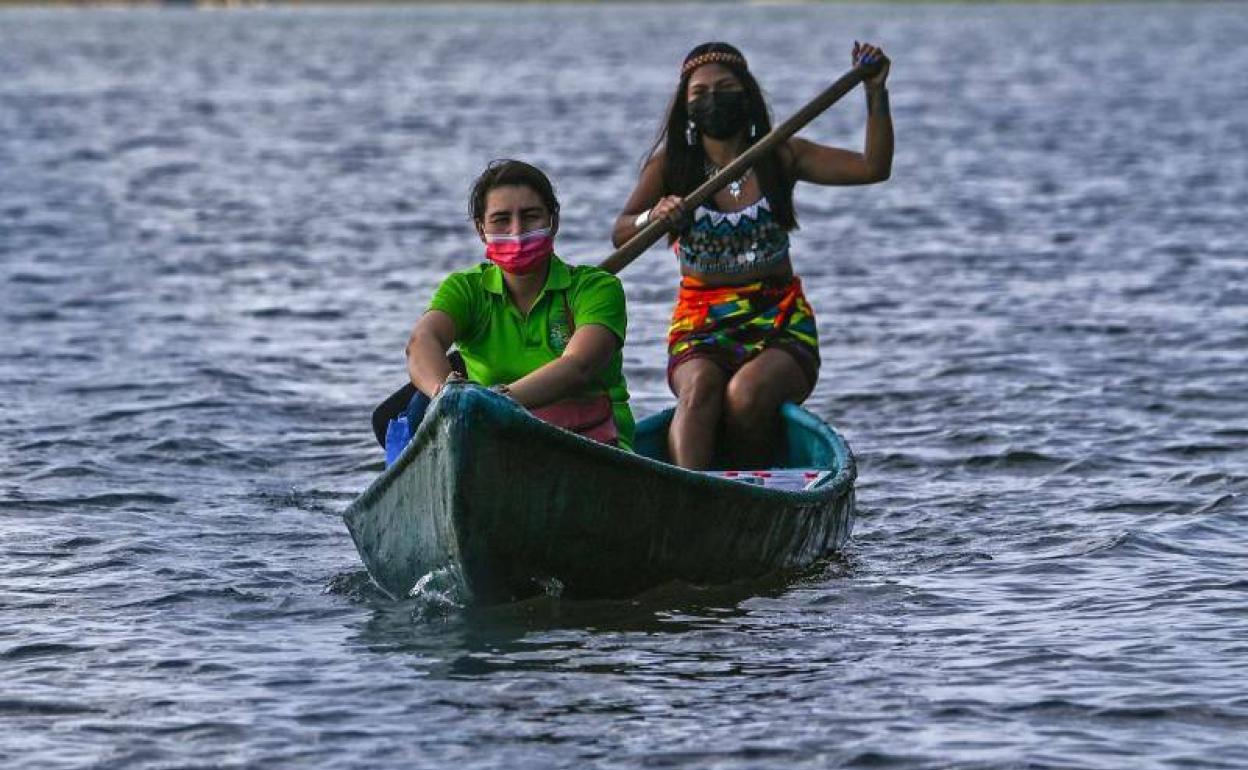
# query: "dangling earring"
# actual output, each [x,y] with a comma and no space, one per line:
[689,127]
[753,130]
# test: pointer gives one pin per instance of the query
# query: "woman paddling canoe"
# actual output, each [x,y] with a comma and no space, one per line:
[742,339]
[545,333]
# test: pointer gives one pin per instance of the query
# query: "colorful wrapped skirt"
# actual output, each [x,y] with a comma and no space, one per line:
[732,324]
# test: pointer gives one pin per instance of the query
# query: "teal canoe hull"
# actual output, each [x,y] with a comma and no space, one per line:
[507,507]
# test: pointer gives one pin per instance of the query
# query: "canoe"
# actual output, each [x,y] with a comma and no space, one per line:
[505,506]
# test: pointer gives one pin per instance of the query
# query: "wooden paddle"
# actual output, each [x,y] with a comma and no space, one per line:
[397,402]
[656,229]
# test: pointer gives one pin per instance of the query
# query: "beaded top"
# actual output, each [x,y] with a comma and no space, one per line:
[733,241]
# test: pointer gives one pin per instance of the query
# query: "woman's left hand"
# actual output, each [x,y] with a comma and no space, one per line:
[865,53]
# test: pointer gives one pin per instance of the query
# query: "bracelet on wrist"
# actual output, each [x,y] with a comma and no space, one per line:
[642,219]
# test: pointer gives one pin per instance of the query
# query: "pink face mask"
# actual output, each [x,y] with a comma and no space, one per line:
[520,254]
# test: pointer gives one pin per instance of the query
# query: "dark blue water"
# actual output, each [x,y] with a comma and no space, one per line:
[217,228]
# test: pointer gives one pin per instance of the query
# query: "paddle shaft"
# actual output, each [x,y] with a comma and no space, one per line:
[656,229]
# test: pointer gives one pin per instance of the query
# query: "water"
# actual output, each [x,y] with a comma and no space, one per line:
[217,228]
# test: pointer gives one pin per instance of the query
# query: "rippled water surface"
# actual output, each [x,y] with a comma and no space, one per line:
[216,229]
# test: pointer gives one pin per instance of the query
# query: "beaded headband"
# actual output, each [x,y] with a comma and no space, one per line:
[714,57]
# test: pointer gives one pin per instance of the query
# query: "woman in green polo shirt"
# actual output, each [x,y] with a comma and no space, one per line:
[528,324]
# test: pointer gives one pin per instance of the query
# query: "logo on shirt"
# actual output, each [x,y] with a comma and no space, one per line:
[559,331]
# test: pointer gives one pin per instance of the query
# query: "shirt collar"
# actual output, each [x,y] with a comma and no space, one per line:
[559,277]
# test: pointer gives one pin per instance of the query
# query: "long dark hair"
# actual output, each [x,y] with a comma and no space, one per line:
[684,166]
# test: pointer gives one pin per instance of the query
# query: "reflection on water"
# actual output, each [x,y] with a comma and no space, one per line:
[217,228]
[546,632]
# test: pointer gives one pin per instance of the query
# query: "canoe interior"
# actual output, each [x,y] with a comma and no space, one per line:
[808,441]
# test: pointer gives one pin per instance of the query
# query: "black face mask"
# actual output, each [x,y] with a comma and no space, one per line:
[720,114]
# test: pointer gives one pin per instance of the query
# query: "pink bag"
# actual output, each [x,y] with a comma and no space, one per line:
[589,417]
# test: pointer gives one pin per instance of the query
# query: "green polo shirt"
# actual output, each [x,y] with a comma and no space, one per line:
[500,345]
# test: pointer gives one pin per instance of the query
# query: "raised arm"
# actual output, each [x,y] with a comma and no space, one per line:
[820,164]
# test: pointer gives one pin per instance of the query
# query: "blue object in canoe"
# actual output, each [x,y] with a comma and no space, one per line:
[398,435]
[509,505]
[399,429]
